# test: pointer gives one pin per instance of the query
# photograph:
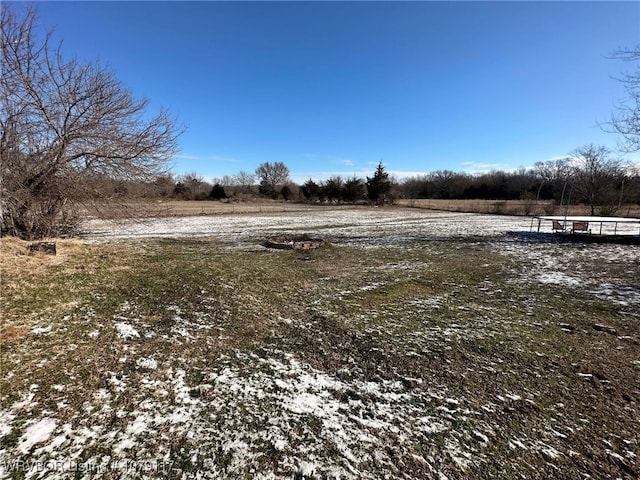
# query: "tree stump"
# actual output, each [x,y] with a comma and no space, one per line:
[48,248]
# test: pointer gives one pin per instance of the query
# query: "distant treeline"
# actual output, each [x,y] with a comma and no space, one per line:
[588,176]
[519,185]
[442,184]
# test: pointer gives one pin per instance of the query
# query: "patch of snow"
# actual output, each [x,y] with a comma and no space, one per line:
[279,444]
[515,443]
[482,437]
[123,445]
[41,330]
[356,226]
[117,384]
[59,440]
[125,306]
[37,433]
[460,458]
[373,286]
[5,423]
[559,278]
[148,363]
[126,331]
[182,332]
[306,469]
[28,400]
[550,452]
[430,425]
[617,294]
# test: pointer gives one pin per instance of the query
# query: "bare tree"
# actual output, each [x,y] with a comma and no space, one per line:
[595,177]
[553,176]
[191,186]
[226,181]
[244,181]
[553,171]
[626,121]
[163,185]
[272,176]
[444,182]
[63,124]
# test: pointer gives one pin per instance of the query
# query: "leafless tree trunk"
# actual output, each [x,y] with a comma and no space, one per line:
[64,124]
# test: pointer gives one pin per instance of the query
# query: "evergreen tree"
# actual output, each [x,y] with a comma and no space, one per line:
[311,190]
[378,186]
[354,190]
[333,189]
[217,192]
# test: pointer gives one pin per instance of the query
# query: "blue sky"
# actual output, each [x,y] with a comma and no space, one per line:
[335,87]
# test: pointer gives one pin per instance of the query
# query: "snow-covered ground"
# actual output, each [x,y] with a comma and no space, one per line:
[274,416]
[339,224]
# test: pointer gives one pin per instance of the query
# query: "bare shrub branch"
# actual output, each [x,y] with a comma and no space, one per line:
[64,125]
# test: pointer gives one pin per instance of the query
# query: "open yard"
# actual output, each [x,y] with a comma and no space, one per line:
[414,344]
[179,208]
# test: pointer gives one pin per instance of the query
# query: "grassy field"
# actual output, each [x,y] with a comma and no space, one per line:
[511,207]
[470,357]
[179,208]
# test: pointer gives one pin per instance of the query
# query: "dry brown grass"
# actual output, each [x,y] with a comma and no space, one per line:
[509,207]
[180,208]
[20,269]
[15,258]
[11,333]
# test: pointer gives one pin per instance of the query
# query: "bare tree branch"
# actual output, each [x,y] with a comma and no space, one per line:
[64,123]
[626,120]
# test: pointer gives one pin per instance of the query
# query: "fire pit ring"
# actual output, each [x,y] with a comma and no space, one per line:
[293,242]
